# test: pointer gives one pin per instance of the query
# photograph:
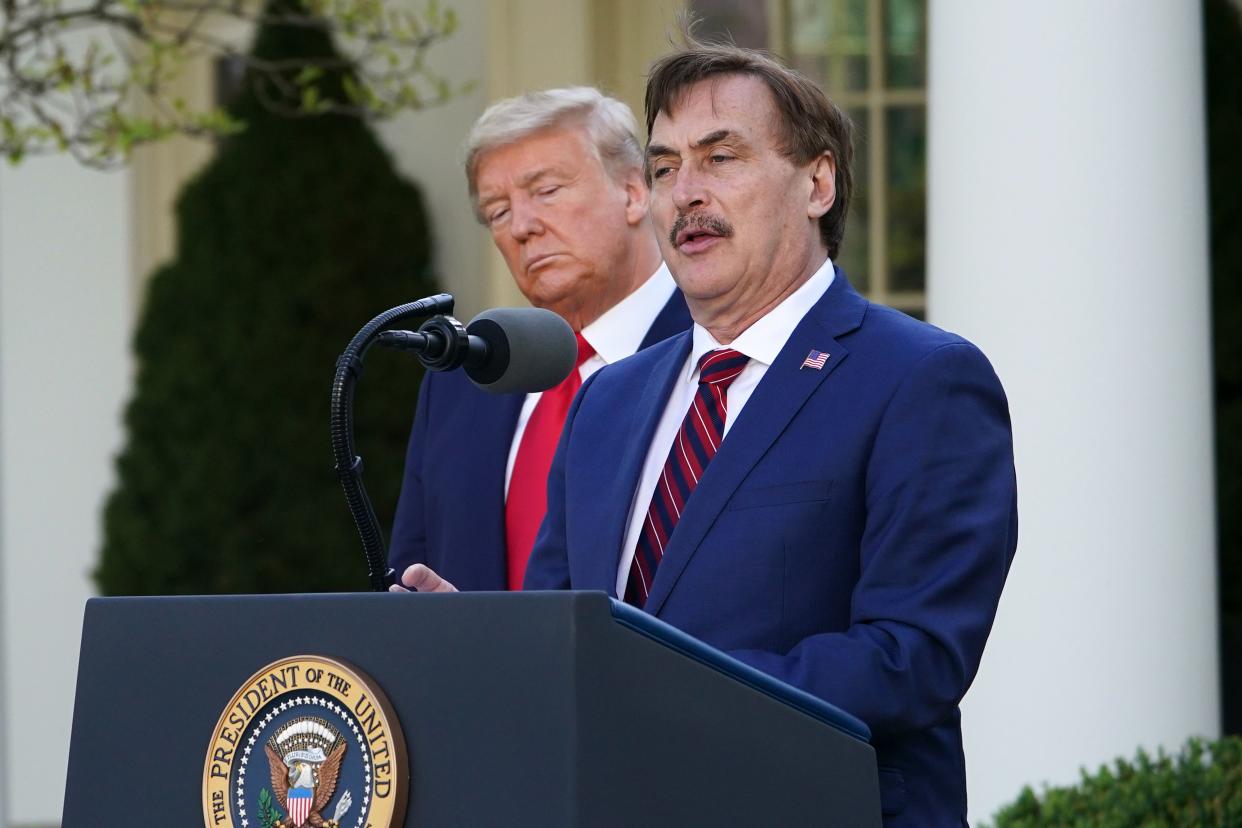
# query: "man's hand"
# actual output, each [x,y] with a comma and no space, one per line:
[421,578]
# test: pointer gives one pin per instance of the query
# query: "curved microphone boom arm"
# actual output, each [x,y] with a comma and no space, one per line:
[348,369]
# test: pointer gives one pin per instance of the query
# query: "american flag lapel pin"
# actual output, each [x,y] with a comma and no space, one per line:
[815,359]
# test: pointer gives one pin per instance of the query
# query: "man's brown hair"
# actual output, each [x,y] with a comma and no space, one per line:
[810,124]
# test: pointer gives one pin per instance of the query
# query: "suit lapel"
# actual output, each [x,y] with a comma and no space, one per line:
[649,406]
[780,395]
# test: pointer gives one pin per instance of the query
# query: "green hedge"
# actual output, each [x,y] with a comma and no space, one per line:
[1201,786]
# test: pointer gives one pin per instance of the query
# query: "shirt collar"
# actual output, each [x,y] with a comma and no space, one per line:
[618,333]
[763,340]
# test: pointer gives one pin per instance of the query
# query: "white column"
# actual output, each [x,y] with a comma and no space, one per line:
[1067,215]
[65,321]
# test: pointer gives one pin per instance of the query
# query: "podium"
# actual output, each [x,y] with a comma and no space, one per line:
[540,709]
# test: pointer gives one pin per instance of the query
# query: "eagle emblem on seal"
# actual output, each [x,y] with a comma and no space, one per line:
[304,757]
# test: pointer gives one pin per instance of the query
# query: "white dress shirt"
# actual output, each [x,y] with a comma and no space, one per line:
[615,335]
[762,341]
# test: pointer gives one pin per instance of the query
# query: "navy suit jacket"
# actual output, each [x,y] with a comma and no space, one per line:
[850,537]
[451,512]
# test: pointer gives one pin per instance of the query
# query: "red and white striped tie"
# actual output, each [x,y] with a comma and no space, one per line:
[697,441]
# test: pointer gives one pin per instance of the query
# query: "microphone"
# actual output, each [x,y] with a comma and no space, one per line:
[524,349]
[503,350]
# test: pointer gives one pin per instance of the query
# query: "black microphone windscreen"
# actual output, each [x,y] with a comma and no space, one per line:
[528,349]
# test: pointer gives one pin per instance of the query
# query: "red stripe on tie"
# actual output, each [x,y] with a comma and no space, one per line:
[690,449]
[660,529]
[687,462]
[702,428]
[656,534]
[673,492]
[688,469]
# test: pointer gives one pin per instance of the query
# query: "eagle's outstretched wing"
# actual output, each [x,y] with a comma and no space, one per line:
[328,772]
[280,776]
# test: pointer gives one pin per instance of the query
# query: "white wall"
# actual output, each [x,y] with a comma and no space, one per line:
[1067,218]
[65,318]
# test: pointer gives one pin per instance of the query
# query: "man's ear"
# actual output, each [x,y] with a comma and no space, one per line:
[823,185]
[637,197]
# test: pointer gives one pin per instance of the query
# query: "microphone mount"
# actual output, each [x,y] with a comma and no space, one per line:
[442,344]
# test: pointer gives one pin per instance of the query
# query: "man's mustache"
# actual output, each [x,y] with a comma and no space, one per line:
[698,221]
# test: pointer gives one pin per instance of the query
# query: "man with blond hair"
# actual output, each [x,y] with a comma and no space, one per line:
[557,179]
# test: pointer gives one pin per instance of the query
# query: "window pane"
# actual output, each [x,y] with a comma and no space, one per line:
[744,22]
[907,196]
[828,42]
[905,43]
[855,248]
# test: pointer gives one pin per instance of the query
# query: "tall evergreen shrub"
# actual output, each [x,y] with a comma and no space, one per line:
[296,234]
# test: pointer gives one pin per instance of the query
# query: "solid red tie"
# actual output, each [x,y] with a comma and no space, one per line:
[528,494]
[701,431]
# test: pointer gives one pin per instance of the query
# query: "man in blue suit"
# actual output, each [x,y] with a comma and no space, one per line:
[820,486]
[557,178]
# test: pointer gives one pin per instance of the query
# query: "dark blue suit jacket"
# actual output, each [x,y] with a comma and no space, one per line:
[851,536]
[451,513]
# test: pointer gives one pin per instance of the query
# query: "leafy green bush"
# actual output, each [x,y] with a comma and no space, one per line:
[1201,786]
[296,234]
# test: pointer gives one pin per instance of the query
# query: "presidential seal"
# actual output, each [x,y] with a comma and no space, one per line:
[307,740]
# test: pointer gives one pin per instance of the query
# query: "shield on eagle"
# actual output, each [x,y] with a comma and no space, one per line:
[304,757]
[299,802]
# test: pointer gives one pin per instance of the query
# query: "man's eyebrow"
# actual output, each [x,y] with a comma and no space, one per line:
[656,150]
[486,197]
[534,175]
[715,138]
